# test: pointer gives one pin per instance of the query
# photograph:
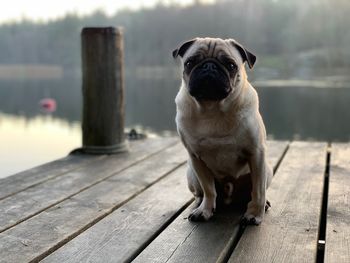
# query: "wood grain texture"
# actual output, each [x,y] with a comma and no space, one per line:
[20,181]
[338,212]
[120,235]
[289,231]
[36,199]
[38,236]
[184,241]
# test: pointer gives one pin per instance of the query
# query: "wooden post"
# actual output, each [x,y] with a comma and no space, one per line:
[103,90]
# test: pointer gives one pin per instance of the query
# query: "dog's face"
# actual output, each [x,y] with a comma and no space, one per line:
[212,66]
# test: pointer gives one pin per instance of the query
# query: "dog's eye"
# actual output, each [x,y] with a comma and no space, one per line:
[188,64]
[232,66]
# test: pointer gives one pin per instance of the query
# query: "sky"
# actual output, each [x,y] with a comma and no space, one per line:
[43,10]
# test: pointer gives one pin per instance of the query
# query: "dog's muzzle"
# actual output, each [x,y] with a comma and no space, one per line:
[209,81]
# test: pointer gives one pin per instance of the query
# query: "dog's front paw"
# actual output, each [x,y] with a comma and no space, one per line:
[202,213]
[199,214]
[255,213]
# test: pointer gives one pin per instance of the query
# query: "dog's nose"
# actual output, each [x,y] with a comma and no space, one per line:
[209,66]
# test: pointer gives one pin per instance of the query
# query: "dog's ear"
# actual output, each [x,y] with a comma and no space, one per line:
[246,55]
[183,48]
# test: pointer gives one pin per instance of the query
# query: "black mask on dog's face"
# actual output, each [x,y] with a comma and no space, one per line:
[210,71]
[208,79]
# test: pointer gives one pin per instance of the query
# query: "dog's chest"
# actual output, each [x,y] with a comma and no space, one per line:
[224,156]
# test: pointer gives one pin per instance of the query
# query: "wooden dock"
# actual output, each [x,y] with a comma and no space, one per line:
[128,201]
[133,207]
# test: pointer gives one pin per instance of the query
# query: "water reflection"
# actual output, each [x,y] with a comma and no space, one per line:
[306,113]
[22,97]
[290,112]
[29,138]
[296,111]
[26,143]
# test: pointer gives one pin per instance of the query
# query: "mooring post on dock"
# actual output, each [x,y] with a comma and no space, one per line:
[103,90]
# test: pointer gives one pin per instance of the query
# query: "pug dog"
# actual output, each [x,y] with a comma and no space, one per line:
[219,124]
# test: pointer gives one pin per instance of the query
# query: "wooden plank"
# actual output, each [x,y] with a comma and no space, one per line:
[23,180]
[185,241]
[289,232]
[119,236]
[34,200]
[40,235]
[119,246]
[338,212]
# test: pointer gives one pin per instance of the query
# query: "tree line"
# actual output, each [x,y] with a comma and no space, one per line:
[282,33]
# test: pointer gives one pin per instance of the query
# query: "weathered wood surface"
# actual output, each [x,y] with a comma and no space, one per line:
[185,241]
[36,199]
[127,240]
[38,236]
[134,206]
[23,180]
[121,235]
[338,212]
[289,232]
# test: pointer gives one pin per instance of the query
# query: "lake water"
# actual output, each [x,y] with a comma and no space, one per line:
[25,143]
[29,137]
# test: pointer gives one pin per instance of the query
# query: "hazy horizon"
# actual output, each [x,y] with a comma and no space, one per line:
[42,11]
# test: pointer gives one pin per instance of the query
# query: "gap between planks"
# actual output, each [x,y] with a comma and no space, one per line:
[337,245]
[324,207]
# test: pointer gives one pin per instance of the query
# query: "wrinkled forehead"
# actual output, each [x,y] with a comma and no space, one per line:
[213,48]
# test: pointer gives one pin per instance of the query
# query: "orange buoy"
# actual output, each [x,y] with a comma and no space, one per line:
[48,105]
